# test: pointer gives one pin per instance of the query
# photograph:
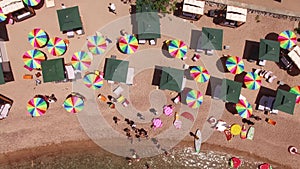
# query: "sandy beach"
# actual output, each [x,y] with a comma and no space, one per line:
[20,132]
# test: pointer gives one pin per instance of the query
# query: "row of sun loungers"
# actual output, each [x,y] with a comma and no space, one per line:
[266,74]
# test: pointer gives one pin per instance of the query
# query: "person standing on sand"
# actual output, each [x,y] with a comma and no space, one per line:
[112,8]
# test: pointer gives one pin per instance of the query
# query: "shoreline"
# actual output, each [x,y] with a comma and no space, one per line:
[76,147]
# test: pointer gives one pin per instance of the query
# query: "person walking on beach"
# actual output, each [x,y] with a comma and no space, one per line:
[116,119]
[112,8]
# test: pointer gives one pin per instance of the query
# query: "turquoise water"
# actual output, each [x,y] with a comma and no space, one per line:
[177,159]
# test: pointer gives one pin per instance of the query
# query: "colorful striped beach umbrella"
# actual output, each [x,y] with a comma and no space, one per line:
[96,44]
[37,106]
[56,46]
[92,80]
[199,73]
[38,38]
[244,108]
[252,80]
[296,90]
[33,58]
[287,39]
[194,99]
[2,16]
[32,2]
[235,64]
[128,44]
[81,60]
[74,104]
[177,49]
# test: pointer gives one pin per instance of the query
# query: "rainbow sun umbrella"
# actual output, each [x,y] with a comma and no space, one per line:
[128,44]
[244,108]
[287,39]
[81,60]
[38,38]
[2,16]
[252,81]
[32,2]
[33,58]
[235,64]
[92,80]
[199,73]
[296,90]
[96,44]
[37,106]
[56,46]
[74,104]
[194,99]
[177,49]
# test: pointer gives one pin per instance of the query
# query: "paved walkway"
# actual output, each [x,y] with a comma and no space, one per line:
[286,7]
[91,119]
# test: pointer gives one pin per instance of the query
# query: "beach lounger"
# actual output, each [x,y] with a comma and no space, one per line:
[79,32]
[273,111]
[70,34]
[130,76]
[209,52]
[176,100]
[196,57]
[262,62]
[152,42]
[4,109]
[117,91]
[70,72]
[271,79]
[260,107]
[50,3]
[268,74]
[142,41]
[257,71]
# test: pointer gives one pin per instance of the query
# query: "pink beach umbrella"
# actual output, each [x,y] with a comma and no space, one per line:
[235,162]
[168,110]
[265,166]
[157,123]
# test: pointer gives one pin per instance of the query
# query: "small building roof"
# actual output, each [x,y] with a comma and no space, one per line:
[230,91]
[269,50]
[212,38]
[69,19]
[9,6]
[236,14]
[53,70]
[116,70]
[193,6]
[295,56]
[285,101]
[171,79]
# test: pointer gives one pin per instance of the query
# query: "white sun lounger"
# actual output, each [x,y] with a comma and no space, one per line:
[117,91]
[4,111]
[50,3]
[130,75]
[70,72]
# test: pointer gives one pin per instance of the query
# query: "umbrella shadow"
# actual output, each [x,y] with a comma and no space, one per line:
[221,64]
[272,36]
[251,51]
[187,73]
[183,95]
[212,84]
[165,51]
[284,87]
[263,91]
[40,5]
[294,71]
[240,78]
[156,76]
[230,107]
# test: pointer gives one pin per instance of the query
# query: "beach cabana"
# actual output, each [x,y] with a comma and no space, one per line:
[69,19]
[230,90]
[171,79]
[212,39]
[53,70]
[285,101]
[2,81]
[148,25]
[192,9]
[9,6]
[295,56]
[116,70]
[237,15]
[269,50]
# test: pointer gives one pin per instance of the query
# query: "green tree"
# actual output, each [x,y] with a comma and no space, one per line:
[164,6]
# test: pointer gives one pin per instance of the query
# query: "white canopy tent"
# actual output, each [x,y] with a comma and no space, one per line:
[295,56]
[236,14]
[9,6]
[193,6]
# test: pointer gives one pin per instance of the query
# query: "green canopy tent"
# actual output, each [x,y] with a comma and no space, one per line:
[285,101]
[230,90]
[269,50]
[171,79]
[53,70]
[148,25]
[211,39]
[69,19]
[2,81]
[116,70]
